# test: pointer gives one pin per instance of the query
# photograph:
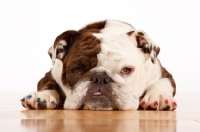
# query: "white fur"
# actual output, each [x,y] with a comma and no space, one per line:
[73,101]
[116,27]
[62,43]
[153,72]
[56,72]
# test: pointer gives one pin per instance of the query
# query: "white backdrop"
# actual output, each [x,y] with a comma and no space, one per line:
[28,29]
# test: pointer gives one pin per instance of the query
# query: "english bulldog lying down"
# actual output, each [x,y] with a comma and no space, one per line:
[106,65]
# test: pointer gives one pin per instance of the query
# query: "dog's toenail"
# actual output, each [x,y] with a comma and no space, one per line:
[174,104]
[23,99]
[29,96]
[166,101]
[143,103]
[38,100]
[53,103]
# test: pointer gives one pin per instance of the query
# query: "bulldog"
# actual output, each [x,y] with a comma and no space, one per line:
[106,65]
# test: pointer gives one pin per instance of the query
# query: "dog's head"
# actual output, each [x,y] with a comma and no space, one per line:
[101,66]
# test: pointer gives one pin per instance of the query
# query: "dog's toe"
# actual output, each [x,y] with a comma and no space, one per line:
[45,101]
[151,108]
[166,108]
[42,105]
[29,100]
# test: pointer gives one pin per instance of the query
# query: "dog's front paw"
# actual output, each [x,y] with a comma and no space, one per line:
[47,99]
[156,101]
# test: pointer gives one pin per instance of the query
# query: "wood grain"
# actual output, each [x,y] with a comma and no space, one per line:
[13,117]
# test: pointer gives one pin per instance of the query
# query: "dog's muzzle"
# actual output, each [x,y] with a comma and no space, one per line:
[99,95]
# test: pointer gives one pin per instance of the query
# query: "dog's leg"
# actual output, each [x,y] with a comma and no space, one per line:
[159,95]
[46,97]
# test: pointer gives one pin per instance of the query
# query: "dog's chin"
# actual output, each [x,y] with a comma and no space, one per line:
[99,102]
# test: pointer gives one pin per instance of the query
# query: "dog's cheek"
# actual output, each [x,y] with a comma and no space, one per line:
[125,99]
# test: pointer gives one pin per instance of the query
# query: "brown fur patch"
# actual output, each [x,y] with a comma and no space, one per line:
[166,74]
[94,27]
[68,36]
[150,49]
[82,56]
[157,51]
[83,53]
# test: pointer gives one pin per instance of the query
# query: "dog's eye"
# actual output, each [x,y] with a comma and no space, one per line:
[126,70]
[77,71]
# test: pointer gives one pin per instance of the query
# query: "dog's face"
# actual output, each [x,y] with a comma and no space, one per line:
[101,69]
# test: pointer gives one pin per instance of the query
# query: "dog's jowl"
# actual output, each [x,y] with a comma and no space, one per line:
[106,65]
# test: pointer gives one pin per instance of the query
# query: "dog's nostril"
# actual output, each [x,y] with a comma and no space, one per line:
[100,79]
[94,79]
[106,80]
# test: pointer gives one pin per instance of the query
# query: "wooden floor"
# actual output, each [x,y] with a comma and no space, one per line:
[15,118]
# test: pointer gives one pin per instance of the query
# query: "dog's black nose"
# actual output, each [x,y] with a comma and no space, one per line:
[100,79]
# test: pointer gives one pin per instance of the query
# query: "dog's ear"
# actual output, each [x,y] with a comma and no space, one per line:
[146,44]
[62,44]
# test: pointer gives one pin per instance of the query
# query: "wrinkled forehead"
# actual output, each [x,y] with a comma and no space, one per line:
[117,50]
